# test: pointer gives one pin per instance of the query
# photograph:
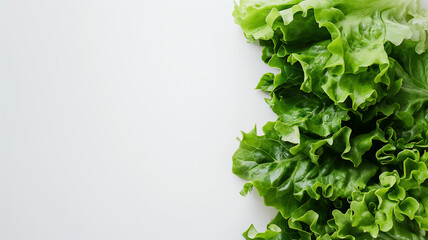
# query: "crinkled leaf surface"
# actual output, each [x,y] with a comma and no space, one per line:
[346,157]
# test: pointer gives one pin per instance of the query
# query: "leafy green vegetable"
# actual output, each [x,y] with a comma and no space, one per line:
[347,156]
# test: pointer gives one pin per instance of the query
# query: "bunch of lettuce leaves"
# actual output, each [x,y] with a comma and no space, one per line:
[347,156]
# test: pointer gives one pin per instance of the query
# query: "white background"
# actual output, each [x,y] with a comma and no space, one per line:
[118,120]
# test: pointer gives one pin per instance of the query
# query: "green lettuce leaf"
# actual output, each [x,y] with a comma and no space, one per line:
[346,157]
[285,180]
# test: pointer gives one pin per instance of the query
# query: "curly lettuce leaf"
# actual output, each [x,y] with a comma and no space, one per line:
[357,28]
[285,180]
[380,207]
[297,109]
[310,221]
[406,230]
[413,95]
[277,229]
[354,60]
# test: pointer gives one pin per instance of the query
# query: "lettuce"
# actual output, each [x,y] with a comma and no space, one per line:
[347,156]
